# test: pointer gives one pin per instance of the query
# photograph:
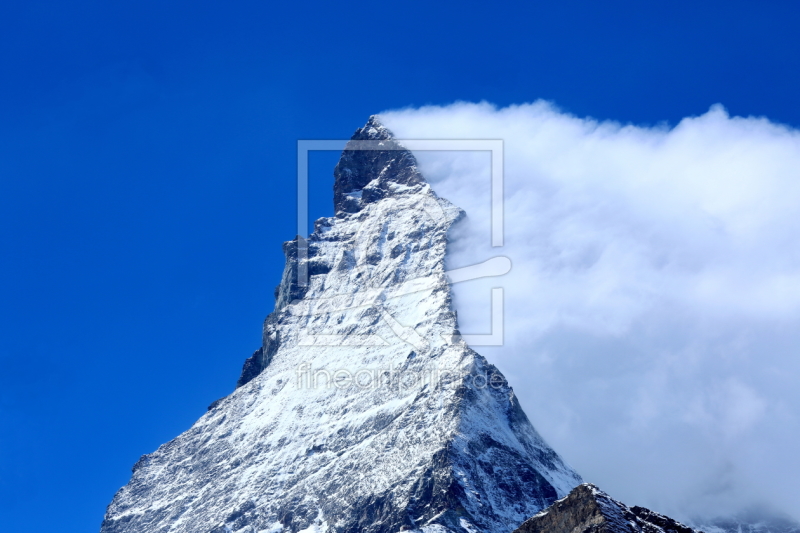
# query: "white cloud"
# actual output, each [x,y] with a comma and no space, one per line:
[654,301]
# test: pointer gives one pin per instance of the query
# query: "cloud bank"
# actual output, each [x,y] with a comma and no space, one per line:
[653,308]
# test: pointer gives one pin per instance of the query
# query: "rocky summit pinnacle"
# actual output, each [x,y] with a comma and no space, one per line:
[362,411]
[364,176]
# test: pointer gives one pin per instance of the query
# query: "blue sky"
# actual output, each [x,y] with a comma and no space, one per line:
[147,162]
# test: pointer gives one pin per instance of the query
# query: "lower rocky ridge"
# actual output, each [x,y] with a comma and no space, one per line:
[589,510]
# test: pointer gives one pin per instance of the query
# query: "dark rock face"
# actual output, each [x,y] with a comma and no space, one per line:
[589,510]
[290,289]
[251,368]
[358,168]
[261,358]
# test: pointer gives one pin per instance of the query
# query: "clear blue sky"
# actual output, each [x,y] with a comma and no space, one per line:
[147,163]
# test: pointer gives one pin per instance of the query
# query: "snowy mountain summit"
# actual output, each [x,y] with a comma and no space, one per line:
[363,410]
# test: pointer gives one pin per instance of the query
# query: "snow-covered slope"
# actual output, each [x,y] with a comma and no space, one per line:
[362,410]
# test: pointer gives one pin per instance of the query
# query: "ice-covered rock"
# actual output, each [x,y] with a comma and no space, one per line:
[362,411]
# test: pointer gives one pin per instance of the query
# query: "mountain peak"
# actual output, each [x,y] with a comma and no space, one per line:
[373,130]
[363,410]
[373,166]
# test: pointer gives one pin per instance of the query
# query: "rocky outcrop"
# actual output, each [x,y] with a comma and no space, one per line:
[367,175]
[589,510]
